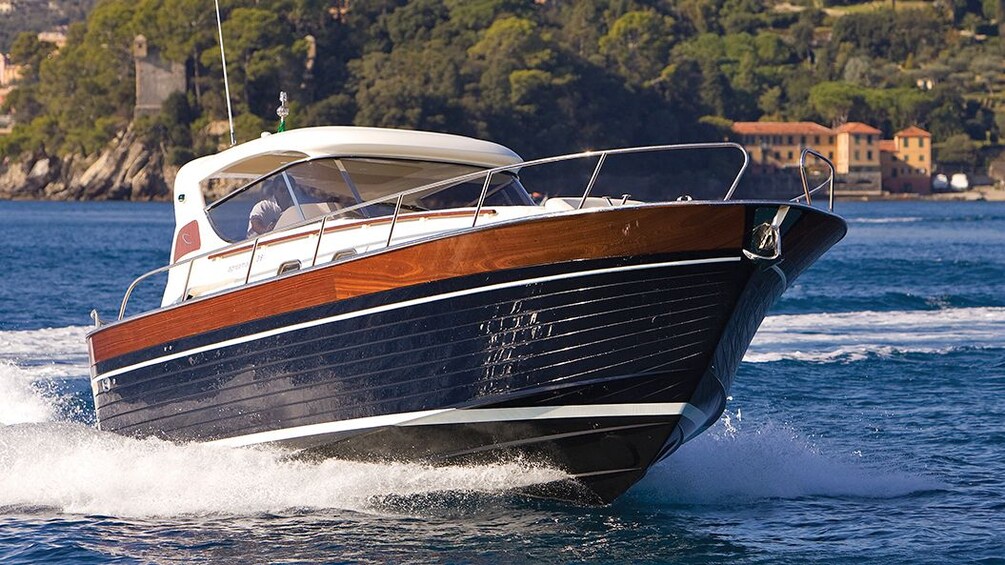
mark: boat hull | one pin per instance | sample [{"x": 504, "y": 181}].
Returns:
[{"x": 599, "y": 364}]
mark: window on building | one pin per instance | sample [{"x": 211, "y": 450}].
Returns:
[
  {"x": 921, "y": 142},
  {"x": 894, "y": 175},
  {"x": 857, "y": 156},
  {"x": 906, "y": 142},
  {"x": 830, "y": 139},
  {"x": 791, "y": 140},
  {"x": 778, "y": 155},
  {"x": 790, "y": 155},
  {"x": 921, "y": 158},
  {"x": 907, "y": 158},
  {"x": 868, "y": 155},
  {"x": 868, "y": 139},
  {"x": 830, "y": 155},
  {"x": 858, "y": 138},
  {"x": 816, "y": 140},
  {"x": 802, "y": 140}
]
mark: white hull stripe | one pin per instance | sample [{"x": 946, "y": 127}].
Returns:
[
  {"x": 472, "y": 416},
  {"x": 405, "y": 304}
]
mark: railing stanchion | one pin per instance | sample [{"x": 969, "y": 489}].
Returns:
[
  {"x": 317, "y": 248},
  {"x": 251, "y": 261},
  {"x": 743, "y": 167},
  {"x": 830, "y": 200},
  {"x": 806, "y": 184},
  {"x": 593, "y": 179},
  {"x": 188, "y": 277},
  {"x": 802, "y": 177},
  {"x": 394, "y": 220},
  {"x": 481, "y": 199}
]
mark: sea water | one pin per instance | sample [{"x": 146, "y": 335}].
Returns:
[{"x": 867, "y": 424}]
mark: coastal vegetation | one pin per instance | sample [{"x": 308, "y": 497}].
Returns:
[{"x": 540, "y": 76}]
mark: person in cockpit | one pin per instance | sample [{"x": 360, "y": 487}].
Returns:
[{"x": 265, "y": 214}]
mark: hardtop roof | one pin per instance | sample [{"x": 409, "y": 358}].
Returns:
[{"x": 263, "y": 155}]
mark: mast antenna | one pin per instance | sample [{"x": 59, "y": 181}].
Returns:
[{"x": 226, "y": 84}]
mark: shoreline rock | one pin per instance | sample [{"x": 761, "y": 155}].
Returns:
[{"x": 126, "y": 169}]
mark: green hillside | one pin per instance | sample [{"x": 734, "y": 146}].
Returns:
[
  {"x": 542, "y": 76},
  {"x": 39, "y": 15}
]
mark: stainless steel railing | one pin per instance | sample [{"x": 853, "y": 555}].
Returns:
[
  {"x": 487, "y": 174},
  {"x": 807, "y": 192}
]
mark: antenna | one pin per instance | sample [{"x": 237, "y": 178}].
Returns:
[{"x": 226, "y": 85}]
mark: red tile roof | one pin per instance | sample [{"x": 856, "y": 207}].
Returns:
[
  {"x": 857, "y": 127},
  {"x": 913, "y": 131},
  {"x": 780, "y": 128},
  {"x": 888, "y": 145}
]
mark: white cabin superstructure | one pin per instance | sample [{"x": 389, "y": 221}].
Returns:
[{"x": 248, "y": 164}]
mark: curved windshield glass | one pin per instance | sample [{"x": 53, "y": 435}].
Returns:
[{"x": 324, "y": 186}]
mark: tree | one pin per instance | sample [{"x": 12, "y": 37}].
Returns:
[
  {"x": 957, "y": 149},
  {"x": 835, "y": 101},
  {"x": 638, "y": 44}
]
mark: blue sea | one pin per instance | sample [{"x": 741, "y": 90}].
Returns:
[{"x": 867, "y": 424}]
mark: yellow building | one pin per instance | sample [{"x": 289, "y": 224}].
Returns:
[
  {"x": 774, "y": 145},
  {"x": 907, "y": 161},
  {"x": 864, "y": 162},
  {"x": 857, "y": 148}
]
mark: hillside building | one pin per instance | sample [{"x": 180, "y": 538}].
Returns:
[
  {"x": 907, "y": 161},
  {"x": 864, "y": 163}
]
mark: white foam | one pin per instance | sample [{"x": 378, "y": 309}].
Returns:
[
  {"x": 744, "y": 463},
  {"x": 76, "y": 469},
  {"x": 57, "y": 342},
  {"x": 853, "y": 335},
  {"x": 47, "y": 353},
  {"x": 21, "y": 399}
]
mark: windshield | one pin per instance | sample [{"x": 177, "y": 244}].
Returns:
[{"x": 314, "y": 188}]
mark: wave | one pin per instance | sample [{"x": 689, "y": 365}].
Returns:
[
  {"x": 33, "y": 364},
  {"x": 852, "y": 336},
  {"x": 890, "y": 220},
  {"x": 738, "y": 463},
  {"x": 23, "y": 398},
  {"x": 68, "y": 341},
  {"x": 80, "y": 470},
  {"x": 47, "y": 353}
]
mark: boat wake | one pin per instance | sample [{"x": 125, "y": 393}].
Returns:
[
  {"x": 22, "y": 398},
  {"x": 51, "y": 461},
  {"x": 35, "y": 369},
  {"x": 74, "y": 469},
  {"x": 736, "y": 462},
  {"x": 853, "y": 336}
]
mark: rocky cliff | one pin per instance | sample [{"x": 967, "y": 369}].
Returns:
[{"x": 125, "y": 170}]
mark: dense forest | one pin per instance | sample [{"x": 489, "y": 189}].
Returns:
[
  {"x": 39, "y": 15},
  {"x": 543, "y": 77}
]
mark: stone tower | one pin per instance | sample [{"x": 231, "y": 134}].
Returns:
[{"x": 156, "y": 79}]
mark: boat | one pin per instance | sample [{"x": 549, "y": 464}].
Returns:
[{"x": 393, "y": 295}]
